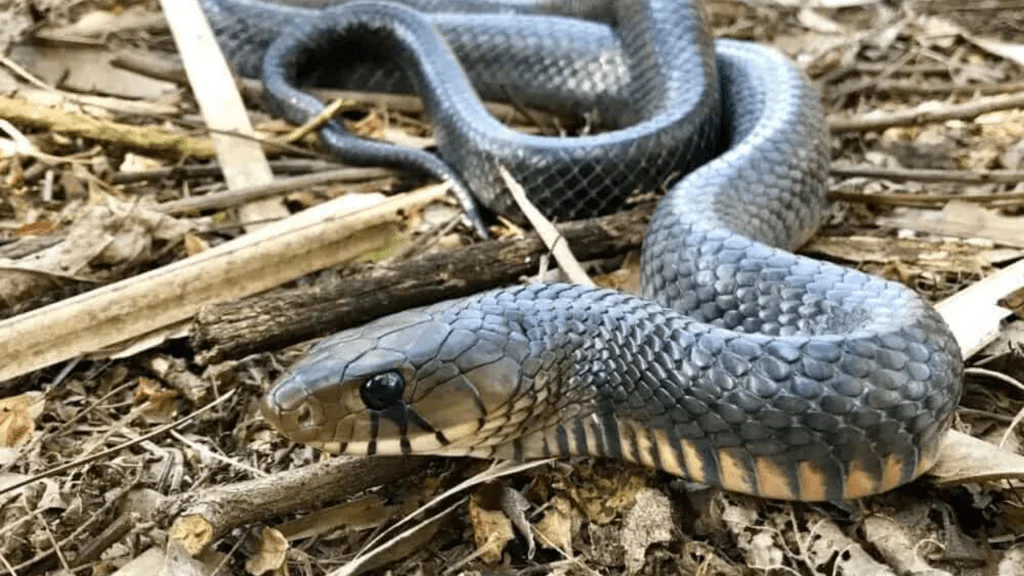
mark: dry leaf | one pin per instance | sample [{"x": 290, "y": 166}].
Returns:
[
  {"x": 492, "y": 530},
  {"x": 134, "y": 162},
  {"x": 18, "y": 416},
  {"x": 272, "y": 554},
  {"x": 38, "y": 228},
  {"x": 157, "y": 404},
  {"x": 963, "y": 220},
  {"x": 195, "y": 245},
  {"x": 896, "y": 546},
  {"x": 758, "y": 544},
  {"x": 1013, "y": 51},
  {"x": 826, "y": 538},
  {"x": 555, "y": 528},
  {"x": 649, "y": 522},
  {"x": 603, "y": 499},
  {"x": 965, "y": 459}
]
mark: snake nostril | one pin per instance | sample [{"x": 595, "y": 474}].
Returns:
[{"x": 305, "y": 417}]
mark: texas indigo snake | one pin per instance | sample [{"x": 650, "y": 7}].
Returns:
[{"x": 742, "y": 365}]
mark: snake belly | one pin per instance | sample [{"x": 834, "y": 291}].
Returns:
[{"x": 739, "y": 365}]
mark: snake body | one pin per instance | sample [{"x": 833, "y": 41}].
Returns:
[{"x": 740, "y": 364}]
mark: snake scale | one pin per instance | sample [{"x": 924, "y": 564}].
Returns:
[{"x": 739, "y": 365}]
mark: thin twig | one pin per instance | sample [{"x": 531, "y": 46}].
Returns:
[
  {"x": 314, "y": 123},
  {"x": 912, "y": 117},
  {"x": 929, "y": 175},
  {"x": 228, "y": 198},
  {"x": 279, "y": 167},
  {"x": 928, "y": 200},
  {"x": 548, "y": 233}
]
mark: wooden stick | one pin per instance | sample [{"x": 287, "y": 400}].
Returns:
[
  {"x": 317, "y": 238},
  {"x": 284, "y": 317},
  {"x": 241, "y": 159},
  {"x": 974, "y": 314},
  {"x": 147, "y": 139},
  {"x": 205, "y": 516},
  {"x": 279, "y": 167}
]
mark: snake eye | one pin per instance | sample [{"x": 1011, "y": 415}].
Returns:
[{"x": 382, "y": 391}]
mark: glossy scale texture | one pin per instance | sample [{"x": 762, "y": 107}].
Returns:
[{"x": 740, "y": 365}]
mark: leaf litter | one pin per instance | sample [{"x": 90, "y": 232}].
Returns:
[{"x": 72, "y": 219}]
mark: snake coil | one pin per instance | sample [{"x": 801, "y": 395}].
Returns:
[{"x": 740, "y": 365}]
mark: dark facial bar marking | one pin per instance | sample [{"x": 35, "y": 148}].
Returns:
[
  {"x": 563, "y": 441},
  {"x": 371, "y": 446},
  {"x": 580, "y": 437}
]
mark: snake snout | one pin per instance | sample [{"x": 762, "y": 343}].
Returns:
[{"x": 290, "y": 408}]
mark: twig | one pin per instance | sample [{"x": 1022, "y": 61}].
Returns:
[
  {"x": 926, "y": 88},
  {"x": 286, "y": 166},
  {"x": 930, "y": 175},
  {"x": 148, "y": 139},
  {"x": 966, "y": 111},
  {"x": 928, "y": 200},
  {"x": 206, "y": 515},
  {"x": 210, "y": 78},
  {"x": 547, "y": 231},
  {"x": 315, "y": 122},
  {"x": 281, "y": 186},
  {"x": 326, "y": 235},
  {"x": 93, "y": 457},
  {"x": 161, "y": 69},
  {"x": 270, "y": 321}
]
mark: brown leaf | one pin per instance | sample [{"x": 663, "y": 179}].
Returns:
[
  {"x": 492, "y": 530},
  {"x": 18, "y": 416},
  {"x": 157, "y": 404},
  {"x": 556, "y": 528},
  {"x": 195, "y": 245},
  {"x": 272, "y": 553},
  {"x": 359, "y": 514},
  {"x": 602, "y": 499}
]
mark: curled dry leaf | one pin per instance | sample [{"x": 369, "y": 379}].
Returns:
[
  {"x": 156, "y": 404},
  {"x": 272, "y": 554},
  {"x": 18, "y": 415},
  {"x": 649, "y": 522},
  {"x": 195, "y": 244},
  {"x": 556, "y": 527},
  {"x": 492, "y": 530}
]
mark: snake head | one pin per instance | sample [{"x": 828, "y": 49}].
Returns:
[{"x": 417, "y": 382}]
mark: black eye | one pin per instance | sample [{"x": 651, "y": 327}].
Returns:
[{"x": 382, "y": 391}]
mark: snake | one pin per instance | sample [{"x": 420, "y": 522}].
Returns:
[{"x": 738, "y": 363}]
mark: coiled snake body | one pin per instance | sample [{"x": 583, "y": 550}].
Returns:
[{"x": 741, "y": 365}]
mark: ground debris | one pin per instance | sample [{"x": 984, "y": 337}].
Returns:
[{"x": 107, "y": 172}]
